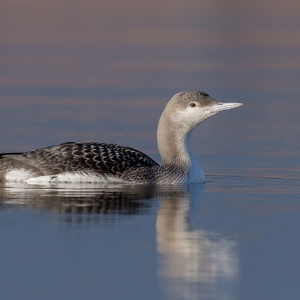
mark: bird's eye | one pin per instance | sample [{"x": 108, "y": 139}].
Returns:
[{"x": 192, "y": 104}]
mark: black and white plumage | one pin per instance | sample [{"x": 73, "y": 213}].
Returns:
[
  {"x": 100, "y": 162},
  {"x": 94, "y": 161}
]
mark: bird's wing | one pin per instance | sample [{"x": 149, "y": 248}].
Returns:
[{"x": 76, "y": 156}]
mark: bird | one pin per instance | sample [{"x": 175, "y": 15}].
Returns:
[{"x": 93, "y": 162}]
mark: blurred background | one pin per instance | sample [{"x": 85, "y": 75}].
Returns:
[{"x": 104, "y": 70}]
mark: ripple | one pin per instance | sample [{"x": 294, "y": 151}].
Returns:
[{"x": 254, "y": 180}]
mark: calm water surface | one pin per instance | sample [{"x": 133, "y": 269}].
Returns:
[
  {"x": 236, "y": 237},
  {"x": 103, "y": 71}
]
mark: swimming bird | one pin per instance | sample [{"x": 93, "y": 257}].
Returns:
[{"x": 100, "y": 162}]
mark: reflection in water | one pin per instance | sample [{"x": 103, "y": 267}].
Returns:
[
  {"x": 77, "y": 202},
  {"x": 195, "y": 263}
]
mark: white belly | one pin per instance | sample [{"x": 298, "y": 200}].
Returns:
[
  {"x": 73, "y": 177},
  {"x": 19, "y": 175},
  {"x": 22, "y": 175}
]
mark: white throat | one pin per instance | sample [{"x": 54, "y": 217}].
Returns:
[{"x": 174, "y": 144}]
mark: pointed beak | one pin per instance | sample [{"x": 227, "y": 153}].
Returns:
[{"x": 223, "y": 106}]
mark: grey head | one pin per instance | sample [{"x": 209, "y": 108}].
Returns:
[
  {"x": 183, "y": 113},
  {"x": 188, "y": 109}
]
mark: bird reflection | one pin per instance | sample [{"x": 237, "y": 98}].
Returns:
[
  {"x": 195, "y": 263},
  {"x": 78, "y": 200}
]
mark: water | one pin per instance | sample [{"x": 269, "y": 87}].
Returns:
[
  {"x": 103, "y": 71},
  {"x": 236, "y": 237}
]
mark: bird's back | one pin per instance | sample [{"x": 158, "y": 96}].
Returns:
[{"x": 99, "y": 159}]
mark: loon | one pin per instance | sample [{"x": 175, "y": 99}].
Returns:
[{"x": 102, "y": 163}]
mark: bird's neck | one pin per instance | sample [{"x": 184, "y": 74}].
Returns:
[
  {"x": 174, "y": 145},
  {"x": 174, "y": 142}
]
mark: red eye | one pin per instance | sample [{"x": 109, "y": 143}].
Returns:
[{"x": 192, "y": 104}]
